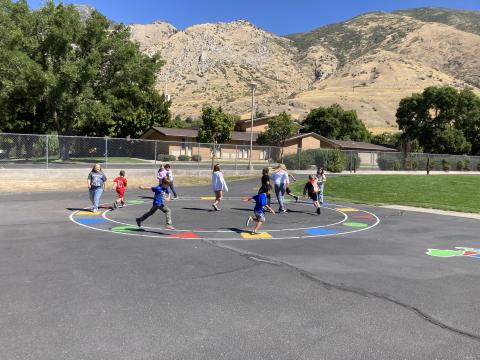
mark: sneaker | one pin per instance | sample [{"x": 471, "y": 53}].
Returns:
[
  {"x": 94, "y": 210},
  {"x": 296, "y": 198},
  {"x": 283, "y": 211},
  {"x": 249, "y": 220},
  {"x": 254, "y": 233},
  {"x": 115, "y": 205},
  {"x": 139, "y": 223},
  {"x": 169, "y": 227},
  {"x": 319, "y": 211},
  {"x": 215, "y": 207}
]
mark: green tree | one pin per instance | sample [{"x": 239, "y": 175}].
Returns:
[
  {"x": 335, "y": 123},
  {"x": 441, "y": 120},
  {"x": 278, "y": 130},
  {"x": 61, "y": 73}
]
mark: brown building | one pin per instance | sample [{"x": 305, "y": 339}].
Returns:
[{"x": 173, "y": 141}]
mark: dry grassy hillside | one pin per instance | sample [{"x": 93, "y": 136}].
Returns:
[{"x": 367, "y": 63}]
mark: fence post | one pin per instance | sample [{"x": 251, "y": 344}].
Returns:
[
  {"x": 155, "y": 156},
  {"x": 428, "y": 165},
  {"x": 46, "y": 151},
  {"x": 236, "y": 158},
  {"x": 106, "y": 150}
]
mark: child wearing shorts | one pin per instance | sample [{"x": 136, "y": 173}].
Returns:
[
  {"x": 219, "y": 185},
  {"x": 158, "y": 203},
  {"x": 311, "y": 188},
  {"x": 259, "y": 212},
  {"x": 120, "y": 185}
]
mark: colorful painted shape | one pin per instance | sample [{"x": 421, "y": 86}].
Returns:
[
  {"x": 347, "y": 209},
  {"x": 207, "y": 198},
  {"x": 262, "y": 235},
  {"x": 314, "y": 231},
  {"x": 91, "y": 213},
  {"x": 127, "y": 229},
  {"x": 358, "y": 225},
  {"x": 363, "y": 217},
  {"x": 89, "y": 221},
  {"x": 185, "y": 235},
  {"x": 135, "y": 202},
  {"x": 459, "y": 251}
]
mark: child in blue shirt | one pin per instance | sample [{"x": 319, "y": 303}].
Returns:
[
  {"x": 158, "y": 203},
  {"x": 261, "y": 202}
]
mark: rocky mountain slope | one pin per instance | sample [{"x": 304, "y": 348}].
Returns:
[{"x": 367, "y": 63}]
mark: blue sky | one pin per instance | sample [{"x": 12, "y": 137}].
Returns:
[{"x": 278, "y": 16}]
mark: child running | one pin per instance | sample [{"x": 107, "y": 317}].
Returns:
[
  {"x": 287, "y": 187},
  {"x": 161, "y": 173},
  {"x": 321, "y": 180},
  {"x": 311, "y": 187},
  {"x": 260, "y": 203},
  {"x": 120, "y": 185},
  {"x": 219, "y": 185},
  {"x": 266, "y": 184},
  {"x": 169, "y": 175},
  {"x": 158, "y": 203}
]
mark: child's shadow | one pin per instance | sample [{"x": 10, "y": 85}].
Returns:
[{"x": 197, "y": 209}]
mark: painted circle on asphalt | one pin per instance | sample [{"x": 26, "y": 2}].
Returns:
[{"x": 229, "y": 224}]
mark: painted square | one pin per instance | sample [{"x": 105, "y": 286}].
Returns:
[
  {"x": 321, "y": 231},
  {"x": 88, "y": 221},
  {"x": 208, "y": 198},
  {"x": 185, "y": 235},
  {"x": 262, "y": 235},
  {"x": 347, "y": 209}
]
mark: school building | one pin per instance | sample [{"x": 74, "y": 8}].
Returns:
[{"x": 174, "y": 141}]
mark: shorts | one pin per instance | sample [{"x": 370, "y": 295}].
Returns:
[
  {"x": 259, "y": 216},
  {"x": 120, "y": 192},
  {"x": 313, "y": 196}
]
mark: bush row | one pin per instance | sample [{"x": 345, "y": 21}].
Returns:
[
  {"x": 331, "y": 160},
  {"x": 169, "y": 158},
  {"x": 392, "y": 162}
]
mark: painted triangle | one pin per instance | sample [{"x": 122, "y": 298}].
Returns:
[{"x": 185, "y": 235}]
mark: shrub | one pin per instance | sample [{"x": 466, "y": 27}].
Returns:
[
  {"x": 446, "y": 165},
  {"x": 389, "y": 162},
  {"x": 183, "y": 158},
  {"x": 463, "y": 165},
  {"x": 166, "y": 158},
  {"x": 336, "y": 161},
  {"x": 478, "y": 166},
  {"x": 411, "y": 164},
  {"x": 197, "y": 158}
]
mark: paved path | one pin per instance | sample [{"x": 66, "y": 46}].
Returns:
[{"x": 71, "y": 292}]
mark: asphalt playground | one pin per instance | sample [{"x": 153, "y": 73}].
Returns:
[{"x": 356, "y": 282}]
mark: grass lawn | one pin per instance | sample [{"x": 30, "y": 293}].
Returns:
[{"x": 446, "y": 192}]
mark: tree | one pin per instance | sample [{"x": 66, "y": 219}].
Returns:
[
  {"x": 216, "y": 127},
  {"x": 335, "y": 123},
  {"x": 441, "y": 120},
  {"x": 278, "y": 130},
  {"x": 62, "y": 73}
]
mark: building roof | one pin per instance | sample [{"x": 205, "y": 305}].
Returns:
[
  {"x": 193, "y": 133},
  {"x": 358, "y": 145}
]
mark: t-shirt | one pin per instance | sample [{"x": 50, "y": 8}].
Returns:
[
  {"x": 121, "y": 182},
  {"x": 266, "y": 181},
  {"x": 260, "y": 202},
  {"x": 161, "y": 174},
  {"x": 96, "y": 178},
  {"x": 280, "y": 178},
  {"x": 159, "y": 195}
]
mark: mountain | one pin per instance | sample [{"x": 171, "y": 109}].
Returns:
[{"x": 367, "y": 63}]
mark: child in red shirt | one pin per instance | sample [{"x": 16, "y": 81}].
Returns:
[{"x": 120, "y": 185}]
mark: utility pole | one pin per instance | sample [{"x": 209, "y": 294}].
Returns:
[{"x": 253, "y": 87}]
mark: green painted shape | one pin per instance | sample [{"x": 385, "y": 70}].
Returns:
[
  {"x": 444, "y": 253},
  {"x": 356, "y": 224},
  {"x": 135, "y": 202},
  {"x": 126, "y": 228}
]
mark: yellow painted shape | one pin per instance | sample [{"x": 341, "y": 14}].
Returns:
[
  {"x": 89, "y": 213},
  {"x": 207, "y": 198},
  {"x": 262, "y": 235},
  {"x": 347, "y": 209}
]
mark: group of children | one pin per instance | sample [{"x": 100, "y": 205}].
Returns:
[{"x": 280, "y": 179}]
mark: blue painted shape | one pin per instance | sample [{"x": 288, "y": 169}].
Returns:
[
  {"x": 475, "y": 256},
  {"x": 89, "y": 221},
  {"x": 321, "y": 231}
]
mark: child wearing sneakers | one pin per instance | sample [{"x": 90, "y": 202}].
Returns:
[
  {"x": 311, "y": 188},
  {"x": 120, "y": 185},
  {"x": 260, "y": 203},
  {"x": 158, "y": 203}
]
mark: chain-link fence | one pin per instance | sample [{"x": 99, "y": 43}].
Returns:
[{"x": 53, "y": 151}]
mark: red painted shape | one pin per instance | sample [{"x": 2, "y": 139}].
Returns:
[
  {"x": 468, "y": 253},
  {"x": 185, "y": 235},
  {"x": 365, "y": 217}
]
